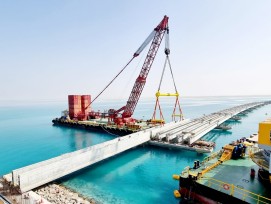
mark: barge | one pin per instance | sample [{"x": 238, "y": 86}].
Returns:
[
  {"x": 102, "y": 126},
  {"x": 239, "y": 173}
]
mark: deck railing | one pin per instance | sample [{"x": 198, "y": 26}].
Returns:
[{"x": 237, "y": 191}]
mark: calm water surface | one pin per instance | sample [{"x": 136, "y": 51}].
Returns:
[{"x": 140, "y": 175}]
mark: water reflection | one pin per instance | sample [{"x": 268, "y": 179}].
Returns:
[
  {"x": 78, "y": 139},
  {"x": 214, "y": 135},
  {"x": 233, "y": 123},
  {"x": 82, "y": 140}
]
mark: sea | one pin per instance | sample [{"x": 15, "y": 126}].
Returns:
[{"x": 140, "y": 175}]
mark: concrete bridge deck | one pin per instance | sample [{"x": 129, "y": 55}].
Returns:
[
  {"x": 35, "y": 175},
  {"x": 190, "y": 131}
]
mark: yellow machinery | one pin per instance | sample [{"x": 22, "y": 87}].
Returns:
[
  {"x": 265, "y": 135},
  {"x": 226, "y": 155},
  {"x": 264, "y": 140},
  {"x": 177, "y": 107}
]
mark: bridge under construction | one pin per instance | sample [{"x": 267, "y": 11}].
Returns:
[
  {"x": 185, "y": 133},
  {"x": 175, "y": 134}
]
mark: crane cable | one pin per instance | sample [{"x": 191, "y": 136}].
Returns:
[
  {"x": 112, "y": 80},
  {"x": 172, "y": 74},
  {"x": 162, "y": 74},
  {"x": 139, "y": 50},
  {"x": 130, "y": 78},
  {"x": 167, "y": 60},
  {"x": 167, "y": 52}
]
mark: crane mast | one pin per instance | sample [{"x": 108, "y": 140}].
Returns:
[
  {"x": 158, "y": 32},
  {"x": 156, "y": 37}
]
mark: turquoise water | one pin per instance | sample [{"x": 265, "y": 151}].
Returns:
[
  {"x": 27, "y": 135},
  {"x": 140, "y": 175}
]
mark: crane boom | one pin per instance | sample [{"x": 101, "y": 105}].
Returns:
[{"x": 159, "y": 32}]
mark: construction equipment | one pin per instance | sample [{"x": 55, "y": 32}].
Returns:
[
  {"x": 177, "y": 106},
  {"x": 156, "y": 37}
]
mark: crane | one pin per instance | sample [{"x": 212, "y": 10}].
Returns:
[
  {"x": 141, "y": 79},
  {"x": 156, "y": 37}
]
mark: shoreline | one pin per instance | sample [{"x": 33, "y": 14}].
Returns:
[{"x": 60, "y": 194}]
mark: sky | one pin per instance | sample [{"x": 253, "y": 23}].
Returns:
[{"x": 50, "y": 49}]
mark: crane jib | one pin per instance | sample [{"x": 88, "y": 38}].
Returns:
[
  {"x": 159, "y": 32},
  {"x": 145, "y": 43},
  {"x": 156, "y": 36}
]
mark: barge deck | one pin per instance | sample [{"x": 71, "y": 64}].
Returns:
[
  {"x": 94, "y": 126},
  {"x": 219, "y": 178}
]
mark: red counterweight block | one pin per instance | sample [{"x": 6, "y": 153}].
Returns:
[
  {"x": 85, "y": 105},
  {"x": 75, "y": 107}
]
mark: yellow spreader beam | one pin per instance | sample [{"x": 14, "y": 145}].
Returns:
[{"x": 158, "y": 94}]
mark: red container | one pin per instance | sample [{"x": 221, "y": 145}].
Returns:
[
  {"x": 85, "y": 97},
  {"x": 79, "y": 106},
  {"x": 74, "y": 114},
  {"x": 74, "y": 96},
  {"x": 74, "y": 110},
  {"x": 85, "y": 101},
  {"x": 75, "y": 103},
  {"x": 86, "y": 108},
  {"x": 74, "y": 99},
  {"x": 74, "y": 107}
]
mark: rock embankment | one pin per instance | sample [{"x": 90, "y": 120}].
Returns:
[{"x": 58, "y": 194}]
